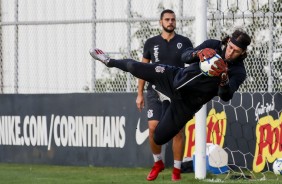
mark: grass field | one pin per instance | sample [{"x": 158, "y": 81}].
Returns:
[{"x": 43, "y": 174}]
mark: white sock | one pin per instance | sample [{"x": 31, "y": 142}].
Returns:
[
  {"x": 177, "y": 164},
  {"x": 157, "y": 157}
]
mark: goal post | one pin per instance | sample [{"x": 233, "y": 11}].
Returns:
[{"x": 200, "y": 126}]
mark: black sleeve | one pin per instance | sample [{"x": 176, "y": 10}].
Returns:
[
  {"x": 146, "y": 50},
  {"x": 226, "y": 92},
  {"x": 189, "y": 54}
]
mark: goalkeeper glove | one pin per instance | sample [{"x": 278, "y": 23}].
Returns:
[
  {"x": 219, "y": 69},
  {"x": 205, "y": 53}
]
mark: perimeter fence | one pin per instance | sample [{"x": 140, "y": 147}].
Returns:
[{"x": 44, "y": 44}]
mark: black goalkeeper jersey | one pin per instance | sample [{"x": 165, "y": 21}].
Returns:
[
  {"x": 208, "y": 87},
  {"x": 160, "y": 51}
]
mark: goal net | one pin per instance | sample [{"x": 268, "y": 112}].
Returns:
[{"x": 248, "y": 127}]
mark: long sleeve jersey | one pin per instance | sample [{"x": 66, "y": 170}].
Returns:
[{"x": 205, "y": 87}]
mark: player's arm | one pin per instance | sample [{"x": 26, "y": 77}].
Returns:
[
  {"x": 207, "y": 49},
  {"x": 188, "y": 56},
  {"x": 140, "y": 96}
]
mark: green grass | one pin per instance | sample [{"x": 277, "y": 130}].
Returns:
[{"x": 46, "y": 174}]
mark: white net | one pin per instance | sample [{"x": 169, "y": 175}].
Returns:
[{"x": 248, "y": 128}]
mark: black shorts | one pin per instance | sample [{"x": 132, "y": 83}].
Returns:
[{"x": 154, "y": 105}]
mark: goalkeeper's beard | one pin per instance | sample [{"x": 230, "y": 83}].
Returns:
[{"x": 168, "y": 30}]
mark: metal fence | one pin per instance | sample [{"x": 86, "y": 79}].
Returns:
[{"x": 44, "y": 44}]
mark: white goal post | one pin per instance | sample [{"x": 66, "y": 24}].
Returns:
[{"x": 200, "y": 125}]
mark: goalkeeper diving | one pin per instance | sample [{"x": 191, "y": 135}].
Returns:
[{"x": 187, "y": 88}]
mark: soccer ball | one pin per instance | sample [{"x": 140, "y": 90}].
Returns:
[
  {"x": 205, "y": 66},
  {"x": 277, "y": 166}
]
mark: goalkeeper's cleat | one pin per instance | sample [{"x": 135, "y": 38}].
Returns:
[
  {"x": 156, "y": 169},
  {"x": 99, "y": 55},
  {"x": 176, "y": 174}
]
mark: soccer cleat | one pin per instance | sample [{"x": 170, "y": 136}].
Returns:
[
  {"x": 176, "y": 174},
  {"x": 156, "y": 169},
  {"x": 99, "y": 55}
]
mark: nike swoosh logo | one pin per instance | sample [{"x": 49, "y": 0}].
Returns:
[{"x": 141, "y": 136}]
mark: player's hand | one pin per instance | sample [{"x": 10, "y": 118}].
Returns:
[
  {"x": 205, "y": 53},
  {"x": 140, "y": 102},
  {"x": 218, "y": 68}
]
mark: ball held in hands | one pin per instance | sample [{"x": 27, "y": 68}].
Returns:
[{"x": 218, "y": 68}]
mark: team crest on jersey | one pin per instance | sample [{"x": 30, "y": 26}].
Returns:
[
  {"x": 179, "y": 45},
  {"x": 150, "y": 113},
  {"x": 160, "y": 69}
]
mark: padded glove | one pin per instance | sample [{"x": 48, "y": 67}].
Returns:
[
  {"x": 218, "y": 68},
  {"x": 205, "y": 53}
]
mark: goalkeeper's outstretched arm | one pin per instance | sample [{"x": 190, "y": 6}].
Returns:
[{"x": 191, "y": 55}]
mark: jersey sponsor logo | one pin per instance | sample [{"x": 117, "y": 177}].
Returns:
[
  {"x": 141, "y": 136},
  {"x": 179, "y": 45},
  {"x": 156, "y": 53},
  {"x": 150, "y": 113},
  {"x": 160, "y": 69}
]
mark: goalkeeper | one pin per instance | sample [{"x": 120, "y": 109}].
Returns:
[{"x": 187, "y": 88}]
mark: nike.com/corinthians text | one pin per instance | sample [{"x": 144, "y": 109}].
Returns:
[{"x": 74, "y": 131}]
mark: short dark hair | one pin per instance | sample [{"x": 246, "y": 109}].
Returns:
[{"x": 165, "y": 11}]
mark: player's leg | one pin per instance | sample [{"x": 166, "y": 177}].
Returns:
[
  {"x": 177, "y": 149},
  {"x": 160, "y": 75},
  {"x": 128, "y": 65},
  {"x": 153, "y": 114},
  {"x": 135, "y": 68},
  {"x": 176, "y": 115}
]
